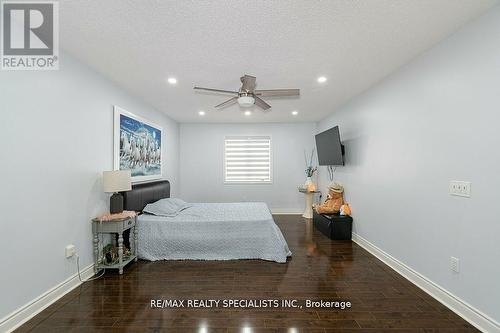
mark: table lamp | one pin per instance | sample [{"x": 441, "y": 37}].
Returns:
[{"x": 115, "y": 182}]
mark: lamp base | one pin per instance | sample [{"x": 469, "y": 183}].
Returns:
[{"x": 116, "y": 203}]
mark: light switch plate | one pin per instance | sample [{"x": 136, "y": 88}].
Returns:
[{"x": 460, "y": 188}]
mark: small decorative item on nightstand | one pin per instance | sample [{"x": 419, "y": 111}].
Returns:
[
  {"x": 310, "y": 170},
  {"x": 118, "y": 224}
]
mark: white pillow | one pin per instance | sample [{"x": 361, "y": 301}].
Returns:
[{"x": 166, "y": 207}]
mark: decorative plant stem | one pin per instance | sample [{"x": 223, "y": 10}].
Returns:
[{"x": 310, "y": 170}]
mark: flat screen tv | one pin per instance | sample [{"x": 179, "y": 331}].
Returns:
[{"x": 329, "y": 147}]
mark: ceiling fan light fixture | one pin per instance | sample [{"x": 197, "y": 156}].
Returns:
[
  {"x": 247, "y": 96},
  {"x": 246, "y": 101}
]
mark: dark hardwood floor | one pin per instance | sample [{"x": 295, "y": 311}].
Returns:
[{"x": 382, "y": 301}]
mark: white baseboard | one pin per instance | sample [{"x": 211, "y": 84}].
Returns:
[
  {"x": 287, "y": 211},
  {"x": 18, "y": 317},
  {"x": 475, "y": 317}
]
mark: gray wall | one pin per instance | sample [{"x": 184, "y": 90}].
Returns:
[
  {"x": 202, "y": 157},
  {"x": 434, "y": 121},
  {"x": 57, "y": 138}
]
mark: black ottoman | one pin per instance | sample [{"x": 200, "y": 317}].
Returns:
[{"x": 336, "y": 227}]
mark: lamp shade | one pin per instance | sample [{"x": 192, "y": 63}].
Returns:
[{"x": 116, "y": 181}]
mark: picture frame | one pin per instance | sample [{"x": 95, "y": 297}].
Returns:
[{"x": 137, "y": 146}]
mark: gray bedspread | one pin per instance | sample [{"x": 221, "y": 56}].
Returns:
[{"x": 213, "y": 231}]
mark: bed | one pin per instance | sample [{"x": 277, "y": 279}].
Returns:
[{"x": 205, "y": 231}]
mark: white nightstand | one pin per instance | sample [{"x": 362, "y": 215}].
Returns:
[{"x": 117, "y": 226}]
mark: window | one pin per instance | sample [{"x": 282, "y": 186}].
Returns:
[{"x": 247, "y": 159}]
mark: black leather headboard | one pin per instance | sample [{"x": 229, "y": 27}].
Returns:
[{"x": 145, "y": 193}]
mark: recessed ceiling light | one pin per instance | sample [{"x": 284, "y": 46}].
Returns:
[
  {"x": 248, "y": 113},
  {"x": 295, "y": 113},
  {"x": 322, "y": 79},
  {"x": 172, "y": 80},
  {"x": 201, "y": 113}
]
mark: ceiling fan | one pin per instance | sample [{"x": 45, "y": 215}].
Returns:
[{"x": 248, "y": 95}]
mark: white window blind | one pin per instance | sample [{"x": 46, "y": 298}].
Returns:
[{"x": 247, "y": 159}]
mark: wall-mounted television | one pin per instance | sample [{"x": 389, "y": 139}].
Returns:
[{"x": 330, "y": 149}]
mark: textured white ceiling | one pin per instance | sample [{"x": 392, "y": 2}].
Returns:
[{"x": 286, "y": 44}]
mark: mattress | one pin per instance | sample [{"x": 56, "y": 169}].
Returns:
[{"x": 213, "y": 231}]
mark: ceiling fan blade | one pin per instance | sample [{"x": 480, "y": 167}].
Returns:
[
  {"x": 217, "y": 90},
  {"x": 277, "y": 92},
  {"x": 261, "y": 104},
  {"x": 248, "y": 83},
  {"x": 227, "y": 103}
]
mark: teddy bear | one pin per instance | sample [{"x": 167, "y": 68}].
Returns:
[
  {"x": 334, "y": 200},
  {"x": 345, "y": 210}
]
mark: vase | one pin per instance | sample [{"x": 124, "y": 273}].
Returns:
[
  {"x": 309, "y": 185},
  {"x": 308, "y": 181}
]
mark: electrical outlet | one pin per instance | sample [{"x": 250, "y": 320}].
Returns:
[
  {"x": 460, "y": 188},
  {"x": 455, "y": 264},
  {"x": 70, "y": 251}
]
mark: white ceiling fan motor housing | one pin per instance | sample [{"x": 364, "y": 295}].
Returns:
[{"x": 246, "y": 101}]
